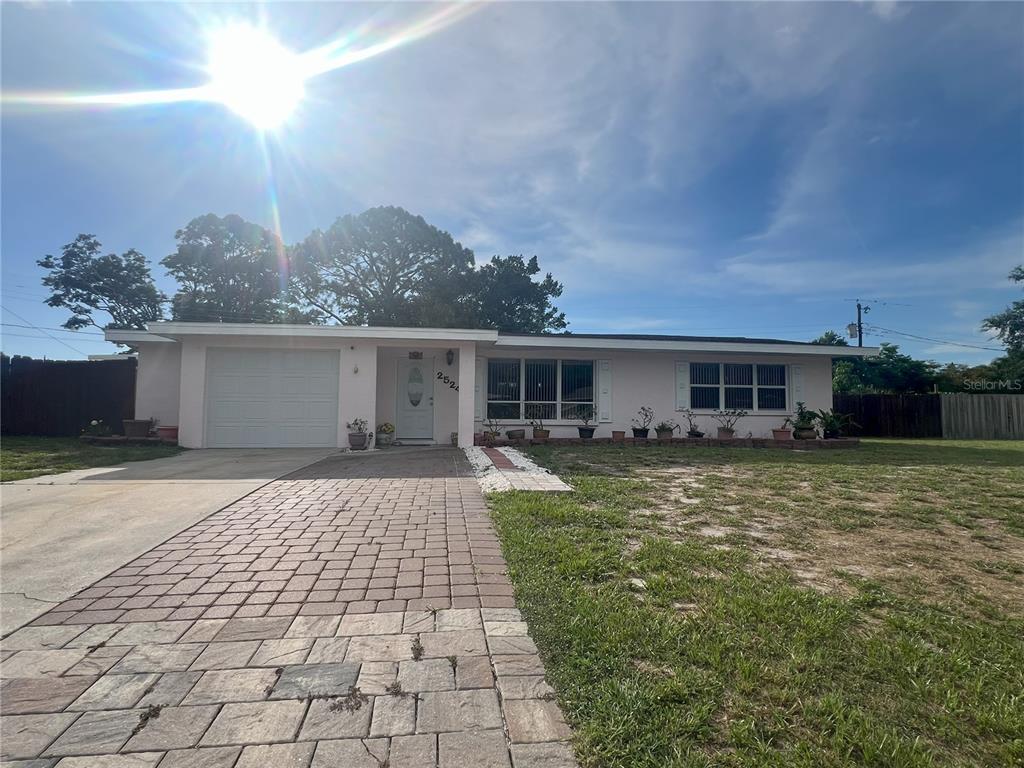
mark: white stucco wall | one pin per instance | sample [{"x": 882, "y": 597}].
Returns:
[
  {"x": 157, "y": 384},
  {"x": 172, "y": 380},
  {"x": 649, "y": 378}
]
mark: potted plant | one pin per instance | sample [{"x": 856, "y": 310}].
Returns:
[
  {"x": 783, "y": 432},
  {"x": 385, "y": 434},
  {"x": 358, "y": 438},
  {"x": 167, "y": 433},
  {"x": 96, "y": 428},
  {"x": 618, "y": 435},
  {"x": 834, "y": 424},
  {"x": 727, "y": 422},
  {"x": 491, "y": 431},
  {"x": 585, "y": 414},
  {"x": 536, "y": 416},
  {"x": 137, "y": 427},
  {"x": 803, "y": 423},
  {"x": 692, "y": 428},
  {"x": 665, "y": 429},
  {"x": 642, "y": 422},
  {"x": 515, "y": 434}
]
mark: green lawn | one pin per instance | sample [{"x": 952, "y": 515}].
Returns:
[
  {"x": 23, "y": 457},
  {"x": 737, "y": 607}
]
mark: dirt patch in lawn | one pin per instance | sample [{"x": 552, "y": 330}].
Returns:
[{"x": 940, "y": 562}]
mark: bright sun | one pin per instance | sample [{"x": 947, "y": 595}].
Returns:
[{"x": 254, "y": 75}]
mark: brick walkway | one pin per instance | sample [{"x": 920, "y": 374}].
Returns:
[{"x": 356, "y": 613}]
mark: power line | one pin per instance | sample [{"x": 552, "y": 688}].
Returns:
[
  {"x": 36, "y": 327},
  {"x": 52, "y": 328},
  {"x": 30, "y": 336},
  {"x": 934, "y": 341}
]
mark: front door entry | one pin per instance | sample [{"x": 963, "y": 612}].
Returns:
[{"x": 415, "y": 399}]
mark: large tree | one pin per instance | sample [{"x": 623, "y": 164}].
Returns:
[
  {"x": 832, "y": 339},
  {"x": 85, "y": 281},
  {"x": 889, "y": 371},
  {"x": 1009, "y": 324},
  {"x": 506, "y": 297},
  {"x": 385, "y": 267},
  {"x": 231, "y": 270}
]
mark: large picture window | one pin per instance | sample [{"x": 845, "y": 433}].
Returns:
[
  {"x": 503, "y": 393},
  {"x": 525, "y": 390},
  {"x": 738, "y": 386}
]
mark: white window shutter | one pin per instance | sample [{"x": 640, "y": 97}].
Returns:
[
  {"x": 796, "y": 377},
  {"x": 604, "y": 389},
  {"x": 480, "y": 391},
  {"x": 682, "y": 386}
]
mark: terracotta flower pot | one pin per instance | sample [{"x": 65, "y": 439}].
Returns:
[
  {"x": 726, "y": 434},
  {"x": 618, "y": 435},
  {"x": 167, "y": 433},
  {"x": 782, "y": 434},
  {"x": 664, "y": 434},
  {"x": 541, "y": 434}
]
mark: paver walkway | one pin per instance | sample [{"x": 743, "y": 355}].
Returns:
[{"x": 356, "y": 613}]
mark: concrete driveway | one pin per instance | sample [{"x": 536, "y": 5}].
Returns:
[{"x": 61, "y": 533}]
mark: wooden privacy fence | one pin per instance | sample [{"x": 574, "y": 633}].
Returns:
[
  {"x": 892, "y": 415},
  {"x": 985, "y": 417},
  {"x": 951, "y": 416},
  {"x": 60, "y": 397}
]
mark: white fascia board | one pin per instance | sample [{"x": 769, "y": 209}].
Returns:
[
  {"x": 121, "y": 336},
  {"x": 176, "y": 329},
  {"x": 669, "y": 345}
]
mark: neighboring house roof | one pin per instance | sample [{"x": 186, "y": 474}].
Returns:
[{"x": 173, "y": 330}]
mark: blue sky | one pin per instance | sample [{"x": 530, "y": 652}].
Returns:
[{"x": 718, "y": 169}]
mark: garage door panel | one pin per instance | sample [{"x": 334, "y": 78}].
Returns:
[{"x": 272, "y": 398}]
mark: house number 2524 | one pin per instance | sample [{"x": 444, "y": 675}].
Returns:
[{"x": 447, "y": 380}]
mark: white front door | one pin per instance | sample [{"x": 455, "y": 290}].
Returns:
[{"x": 415, "y": 399}]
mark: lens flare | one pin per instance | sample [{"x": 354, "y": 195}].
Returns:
[
  {"x": 257, "y": 77},
  {"x": 253, "y": 75}
]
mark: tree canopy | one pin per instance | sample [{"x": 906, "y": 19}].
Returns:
[
  {"x": 85, "y": 281},
  {"x": 1009, "y": 324},
  {"x": 507, "y": 297},
  {"x": 831, "y": 338},
  {"x": 384, "y": 267},
  {"x": 231, "y": 270}
]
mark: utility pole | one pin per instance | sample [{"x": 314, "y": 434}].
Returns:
[{"x": 857, "y": 329}]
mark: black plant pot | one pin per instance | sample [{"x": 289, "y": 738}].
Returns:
[
  {"x": 831, "y": 434},
  {"x": 586, "y": 432},
  {"x": 695, "y": 433},
  {"x": 640, "y": 433}
]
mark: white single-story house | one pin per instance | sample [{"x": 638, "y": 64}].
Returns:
[{"x": 227, "y": 385}]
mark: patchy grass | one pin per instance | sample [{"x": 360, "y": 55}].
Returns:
[
  {"x": 24, "y": 457},
  {"x": 740, "y": 607}
]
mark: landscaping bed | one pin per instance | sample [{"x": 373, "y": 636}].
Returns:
[
  {"x": 25, "y": 457},
  {"x": 728, "y": 607},
  {"x": 686, "y": 442}
]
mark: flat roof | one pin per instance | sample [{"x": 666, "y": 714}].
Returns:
[{"x": 169, "y": 331}]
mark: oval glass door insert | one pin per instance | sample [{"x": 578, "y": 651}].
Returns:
[{"x": 414, "y": 387}]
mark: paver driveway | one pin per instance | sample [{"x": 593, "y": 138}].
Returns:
[{"x": 355, "y": 613}]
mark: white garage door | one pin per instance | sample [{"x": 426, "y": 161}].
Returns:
[{"x": 271, "y": 398}]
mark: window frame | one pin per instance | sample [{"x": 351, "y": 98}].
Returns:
[
  {"x": 754, "y": 387},
  {"x": 558, "y": 403}
]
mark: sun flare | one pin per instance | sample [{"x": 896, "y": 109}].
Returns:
[{"x": 253, "y": 75}]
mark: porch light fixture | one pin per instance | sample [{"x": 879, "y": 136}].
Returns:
[{"x": 450, "y": 356}]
